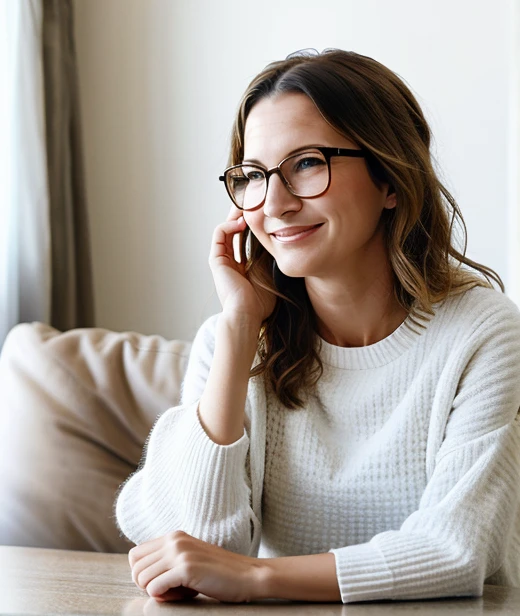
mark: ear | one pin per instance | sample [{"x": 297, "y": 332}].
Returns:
[{"x": 391, "y": 199}]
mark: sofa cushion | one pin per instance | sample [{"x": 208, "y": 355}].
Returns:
[{"x": 75, "y": 411}]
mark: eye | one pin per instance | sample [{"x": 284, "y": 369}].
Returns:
[
  {"x": 254, "y": 175},
  {"x": 308, "y": 162},
  {"x": 237, "y": 181}
]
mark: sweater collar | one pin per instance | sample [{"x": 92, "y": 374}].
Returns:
[{"x": 379, "y": 353}]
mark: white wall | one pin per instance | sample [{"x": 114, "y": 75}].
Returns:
[
  {"x": 160, "y": 81},
  {"x": 513, "y": 238}
]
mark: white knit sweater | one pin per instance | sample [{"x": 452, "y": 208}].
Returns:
[{"x": 405, "y": 464}]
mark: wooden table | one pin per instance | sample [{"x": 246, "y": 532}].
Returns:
[{"x": 38, "y": 581}]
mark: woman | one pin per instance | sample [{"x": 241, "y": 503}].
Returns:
[{"x": 348, "y": 424}]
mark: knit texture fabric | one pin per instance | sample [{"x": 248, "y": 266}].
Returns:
[{"x": 404, "y": 463}]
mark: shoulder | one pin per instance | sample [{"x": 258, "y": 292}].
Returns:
[
  {"x": 477, "y": 309},
  {"x": 477, "y": 325},
  {"x": 486, "y": 299}
]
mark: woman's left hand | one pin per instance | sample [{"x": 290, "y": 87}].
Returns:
[{"x": 178, "y": 567}]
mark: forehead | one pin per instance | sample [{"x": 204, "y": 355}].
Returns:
[{"x": 282, "y": 123}]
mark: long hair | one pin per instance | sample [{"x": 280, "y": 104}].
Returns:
[{"x": 369, "y": 104}]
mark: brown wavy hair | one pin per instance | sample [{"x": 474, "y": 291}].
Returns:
[{"x": 369, "y": 104}]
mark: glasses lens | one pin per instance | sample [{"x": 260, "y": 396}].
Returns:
[
  {"x": 246, "y": 184},
  {"x": 307, "y": 173}
]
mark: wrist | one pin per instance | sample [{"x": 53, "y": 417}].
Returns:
[
  {"x": 261, "y": 579},
  {"x": 242, "y": 321},
  {"x": 269, "y": 578},
  {"x": 222, "y": 404},
  {"x": 241, "y": 334},
  {"x": 297, "y": 578}
]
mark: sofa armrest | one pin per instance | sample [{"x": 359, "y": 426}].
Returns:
[{"x": 75, "y": 411}]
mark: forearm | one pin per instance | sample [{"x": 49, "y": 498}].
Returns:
[
  {"x": 298, "y": 578},
  {"x": 222, "y": 404}
]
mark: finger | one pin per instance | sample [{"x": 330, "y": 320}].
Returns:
[
  {"x": 234, "y": 213},
  {"x": 143, "y": 565},
  {"x": 139, "y": 551},
  {"x": 153, "y": 545},
  {"x": 153, "y": 571},
  {"x": 222, "y": 243},
  {"x": 230, "y": 227},
  {"x": 168, "y": 580},
  {"x": 234, "y": 239}
]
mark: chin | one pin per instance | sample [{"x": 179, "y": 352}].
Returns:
[{"x": 294, "y": 270}]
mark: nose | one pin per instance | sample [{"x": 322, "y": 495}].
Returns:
[{"x": 278, "y": 200}]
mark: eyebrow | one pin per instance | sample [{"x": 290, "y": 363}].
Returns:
[{"x": 304, "y": 148}]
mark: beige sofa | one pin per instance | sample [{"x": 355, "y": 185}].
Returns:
[{"x": 75, "y": 411}]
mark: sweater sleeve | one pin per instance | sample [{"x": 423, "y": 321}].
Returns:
[
  {"x": 186, "y": 481},
  {"x": 459, "y": 534}
]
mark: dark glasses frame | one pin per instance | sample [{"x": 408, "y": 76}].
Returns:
[{"x": 327, "y": 153}]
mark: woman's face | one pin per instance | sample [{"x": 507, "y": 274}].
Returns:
[{"x": 312, "y": 237}]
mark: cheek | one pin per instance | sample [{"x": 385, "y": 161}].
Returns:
[
  {"x": 354, "y": 209},
  {"x": 374, "y": 197},
  {"x": 255, "y": 222},
  {"x": 365, "y": 208},
  {"x": 361, "y": 189}
]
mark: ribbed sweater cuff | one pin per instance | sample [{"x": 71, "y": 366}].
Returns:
[
  {"x": 400, "y": 566},
  {"x": 205, "y": 482},
  {"x": 213, "y": 478},
  {"x": 362, "y": 573},
  {"x": 191, "y": 427}
]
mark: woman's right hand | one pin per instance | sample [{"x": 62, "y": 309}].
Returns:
[{"x": 236, "y": 293}]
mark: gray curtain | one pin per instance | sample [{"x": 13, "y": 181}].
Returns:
[{"x": 72, "y": 302}]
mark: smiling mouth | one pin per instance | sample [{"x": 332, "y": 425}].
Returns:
[{"x": 293, "y": 234}]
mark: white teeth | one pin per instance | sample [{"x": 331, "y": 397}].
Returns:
[
  {"x": 304, "y": 230},
  {"x": 295, "y": 235}
]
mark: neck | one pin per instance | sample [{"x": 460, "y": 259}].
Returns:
[{"x": 356, "y": 309}]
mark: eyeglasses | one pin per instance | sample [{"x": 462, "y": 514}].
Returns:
[{"x": 305, "y": 175}]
